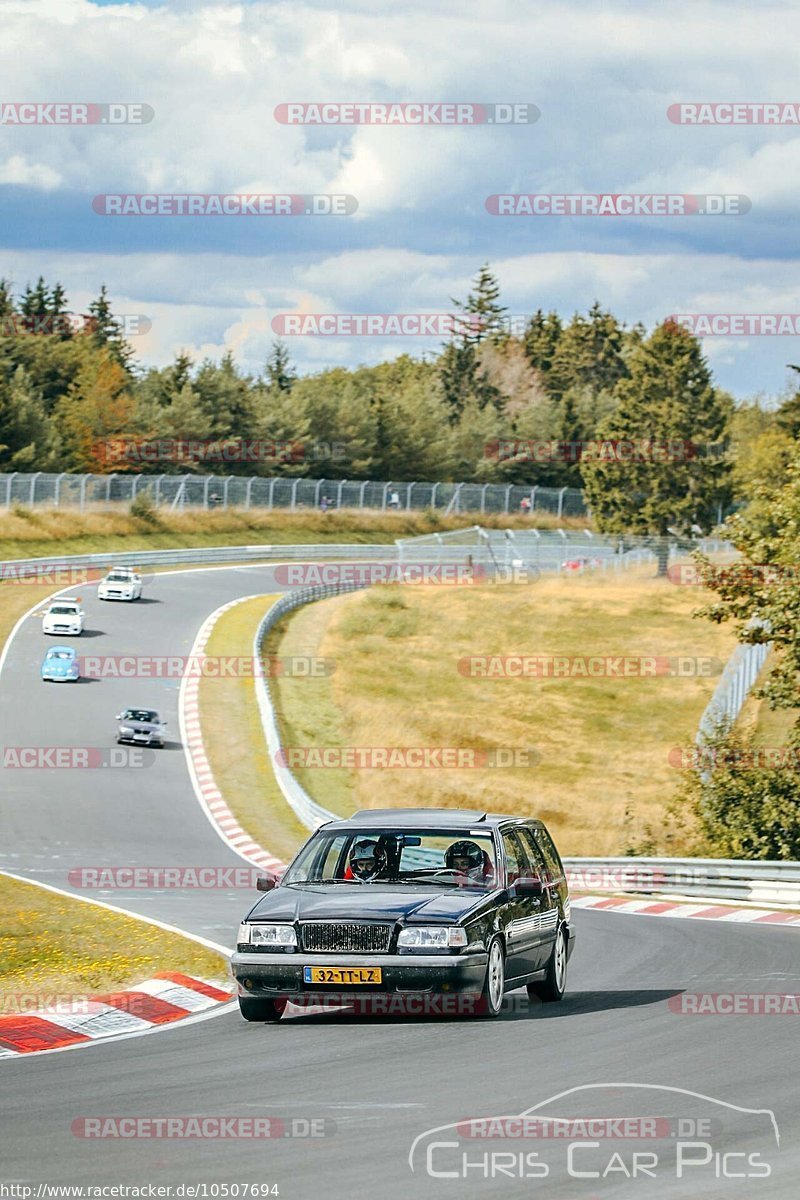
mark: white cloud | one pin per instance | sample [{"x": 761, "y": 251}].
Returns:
[{"x": 602, "y": 74}]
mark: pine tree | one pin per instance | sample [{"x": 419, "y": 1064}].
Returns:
[
  {"x": 280, "y": 374},
  {"x": 541, "y": 340},
  {"x": 7, "y": 309},
  {"x": 35, "y": 307},
  {"x": 590, "y": 353},
  {"x": 483, "y": 313},
  {"x": 668, "y": 401},
  {"x": 106, "y": 330},
  {"x": 28, "y": 441}
]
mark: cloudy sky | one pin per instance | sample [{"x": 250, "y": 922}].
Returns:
[{"x": 602, "y": 74}]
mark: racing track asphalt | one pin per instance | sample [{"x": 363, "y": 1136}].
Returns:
[{"x": 384, "y": 1080}]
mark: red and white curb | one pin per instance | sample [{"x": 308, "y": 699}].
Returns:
[
  {"x": 167, "y": 997},
  {"x": 206, "y": 789},
  {"x": 703, "y": 911}
]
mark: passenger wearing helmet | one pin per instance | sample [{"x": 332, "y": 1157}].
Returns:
[
  {"x": 367, "y": 860},
  {"x": 472, "y": 864}
]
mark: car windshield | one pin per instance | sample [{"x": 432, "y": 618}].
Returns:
[
  {"x": 447, "y": 858},
  {"x": 118, "y": 577},
  {"x": 140, "y": 714},
  {"x": 62, "y": 654},
  {"x": 67, "y": 610}
]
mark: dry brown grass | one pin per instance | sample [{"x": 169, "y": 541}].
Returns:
[
  {"x": 602, "y": 772},
  {"x": 30, "y": 533}
]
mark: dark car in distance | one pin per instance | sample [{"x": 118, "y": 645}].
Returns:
[{"x": 410, "y": 902}]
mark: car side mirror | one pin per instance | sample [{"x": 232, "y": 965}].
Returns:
[
  {"x": 529, "y": 885},
  {"x": 265, "y": 883},
  {"x": 118, "y": 717}
]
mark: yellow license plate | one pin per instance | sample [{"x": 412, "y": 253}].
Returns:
[{"x": 346, "y": 976}]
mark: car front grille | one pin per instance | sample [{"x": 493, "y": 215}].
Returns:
[{"x": 333, "y": 937}]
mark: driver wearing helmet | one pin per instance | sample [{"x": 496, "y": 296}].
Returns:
[
  {"x": 472, "y": 864},
  {"x": 367, "y": 860}
]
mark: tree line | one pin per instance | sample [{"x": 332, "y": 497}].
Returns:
[{"x": 553, "y": 404}]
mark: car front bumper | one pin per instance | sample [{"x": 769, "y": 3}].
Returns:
[{"x": 282, "y": 974}]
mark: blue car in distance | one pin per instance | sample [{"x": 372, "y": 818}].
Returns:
[{"x": 60, "y": 665}]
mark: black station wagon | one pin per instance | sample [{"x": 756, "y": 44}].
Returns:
[{"x": 410, "y": 903}]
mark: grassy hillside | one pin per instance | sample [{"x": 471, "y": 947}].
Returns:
[
  {"x": 599, "y": 746},
  {"x": 31, "y": 533}
]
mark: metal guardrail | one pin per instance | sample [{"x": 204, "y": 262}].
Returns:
[
  {"x": 756, "y": 882},
  {"x": 738, "y": 677},
  {"x": 310, "y": 814}
]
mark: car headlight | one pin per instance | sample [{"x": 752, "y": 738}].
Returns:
[
  {"x": 433, "y": 937},
  {"x": 253, "y": 934},
  {"x": 125, "y": 729}
]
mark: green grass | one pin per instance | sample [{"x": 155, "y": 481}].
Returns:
[
  {"x": 53, "y": 944},
  {"x": 601, "y": 774}
]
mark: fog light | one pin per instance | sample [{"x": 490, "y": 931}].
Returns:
[{"x": 248, "y": 983}]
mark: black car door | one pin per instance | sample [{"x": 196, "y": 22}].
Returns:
[
  {"x": 548, "y": 911},
  {"x": 523, "y": 935}
]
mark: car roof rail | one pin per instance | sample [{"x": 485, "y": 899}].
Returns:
[{"x": 401, "y": 813}]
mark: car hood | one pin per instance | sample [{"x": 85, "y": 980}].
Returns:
[
  {"x": 365, "y": 902},
  {"x": 57, "y": 667},
  {"x": 139, "y": 726}
]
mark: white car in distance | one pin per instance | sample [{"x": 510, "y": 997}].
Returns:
[
  {"x": 64, "y": 617},
  {"x": 120, "y": 583}
]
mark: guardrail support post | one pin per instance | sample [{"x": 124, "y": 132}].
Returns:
[
  {"x": 293, "y": 504},
  {"x": 561, "y": 493},
  {"x": 408, "y": 497},
  {"x": 57, "y": 495},
  {"x": 32, "y": 494},
  {"x": 9, "y": 482}
]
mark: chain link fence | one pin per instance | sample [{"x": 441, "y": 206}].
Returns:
[{"x": 237, "y": 491}]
